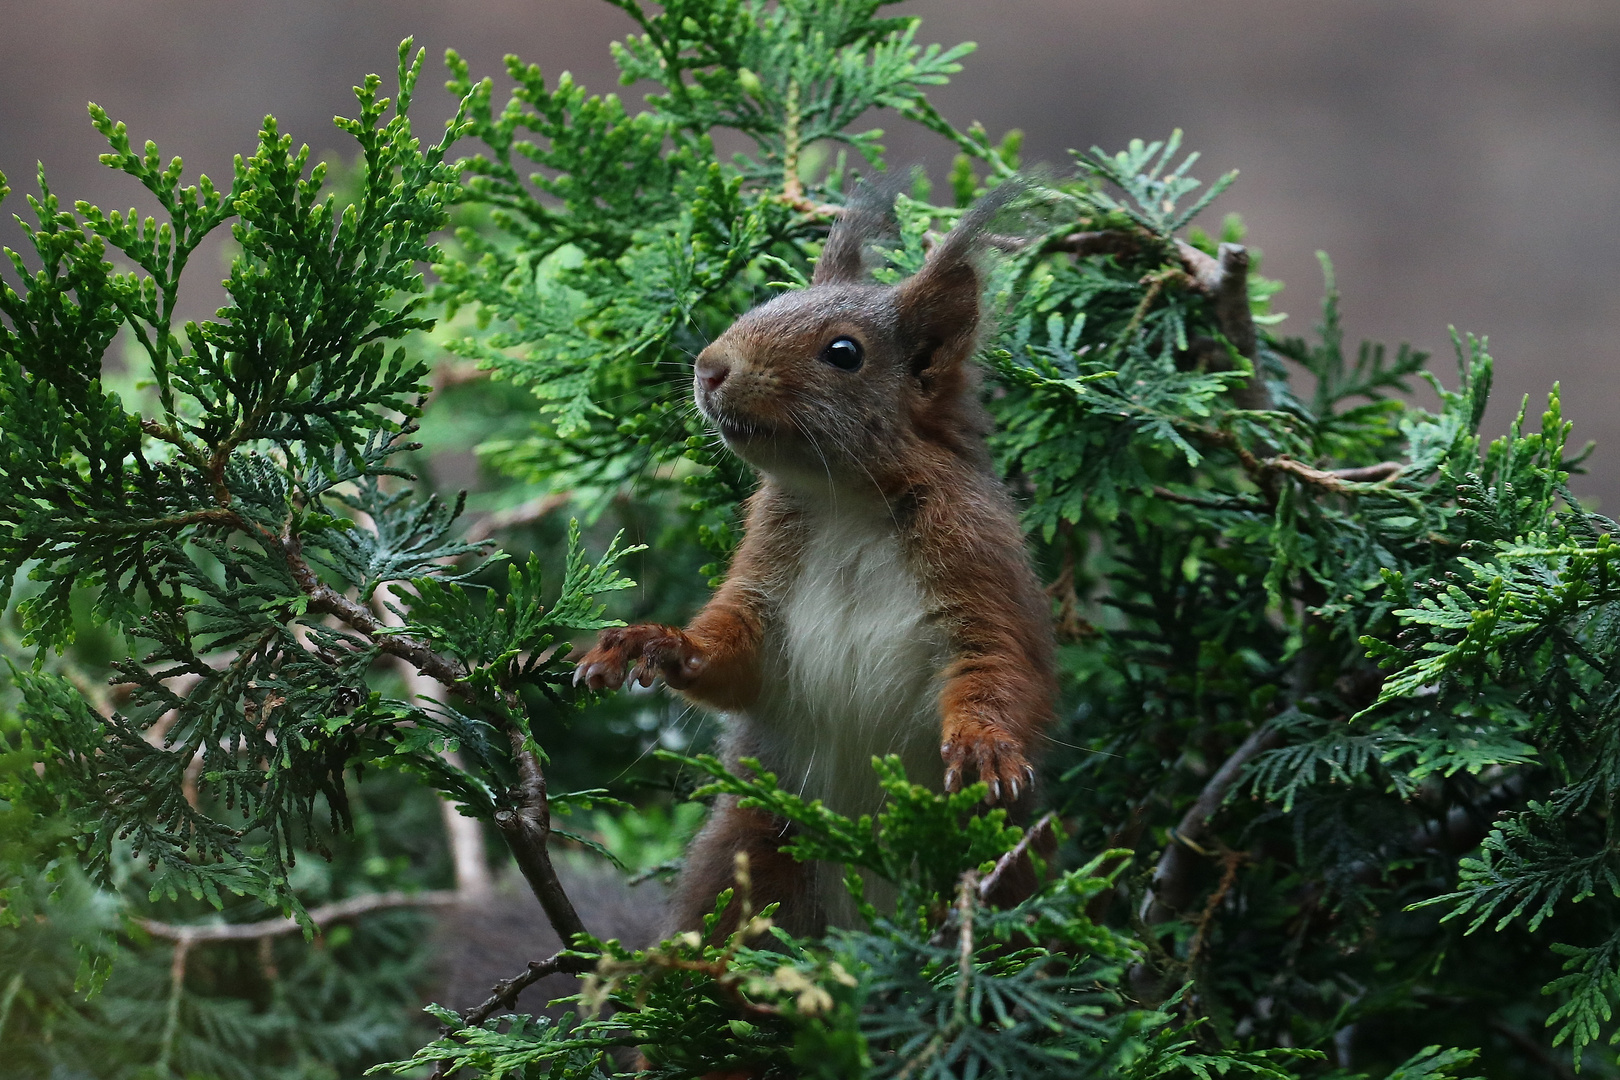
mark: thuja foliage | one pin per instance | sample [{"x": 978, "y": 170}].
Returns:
[{"x": 1338, "y": 746}]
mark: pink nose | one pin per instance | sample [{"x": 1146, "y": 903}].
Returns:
[{"x": 711, "y": 373}]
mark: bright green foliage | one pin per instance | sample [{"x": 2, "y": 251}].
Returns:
[{"x": 1385, "y": 648}]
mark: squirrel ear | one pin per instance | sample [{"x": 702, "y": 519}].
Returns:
[
  {"x": 867, "y": 215},
  {"x": 939, "y": 304}
]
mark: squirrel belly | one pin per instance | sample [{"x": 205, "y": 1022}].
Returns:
[
  {"x": 849, "y": 666},
  {"x": 850, "y": 670}
]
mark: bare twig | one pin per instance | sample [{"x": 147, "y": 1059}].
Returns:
[
  {"x": 1369, "y": 474},
  {"x": 1108, "y": 242},
  {"x": 175, "y": 438},
  {"x": 214, "y": 515},
  {"x": 1340, "y": 481},
  {"x": 1171, "y": 887},
  {"x": 171, "y": 1020},
  {"x": 523, "y": 514},
  {"x": 186, "y": 935},
  {"x": 992, "y": 879},
  {"x": 1224, "y": 278},
  {"x": 1226, "y": 502},
  {"x": 527, "y": 828},
  {"x": 967, "y": 891},
  {"x": 1230, "y": 860},
  {"x": 328, "y": 601},
  {"x": 504, "y": 994},
  {"x": 464, "y": 834},
  {"x": 1533, "y": 1049}
]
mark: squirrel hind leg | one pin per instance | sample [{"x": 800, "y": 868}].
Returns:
[{"x": 775, "y": 876}]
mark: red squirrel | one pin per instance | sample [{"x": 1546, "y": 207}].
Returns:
[{"x": 881, "y": 600}]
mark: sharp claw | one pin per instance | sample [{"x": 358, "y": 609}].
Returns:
[
  {"x": 579, "y": 673},
  {"x": 1029, "y": 774},
  {"x": 1012, "y": 788},
  {"x": 951, "y": 779},
  {"x": 995, "y": 792}
]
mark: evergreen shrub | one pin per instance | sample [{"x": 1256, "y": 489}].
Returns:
[{"x": 1339, "y": 741}]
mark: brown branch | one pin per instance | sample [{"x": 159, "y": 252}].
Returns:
[
  {"x": 1352, "y": 481},
  {"x": 1370, "y": 474},
  {"x": 1115, "y": 242},
  {"x": 1340, "y": 481},
  {"x": 186, "y": 935},
  {"x": 164, "y": 433},
  {"x": 1171, "y": 887},
  {"x": 1533, "y": 1049},
  {"x": 214, "y": 515},
  {"x": 967, "y": 890},
  {"x": 1225, "y": 279},
  {"x": 1108, "y": 242},
  {"x": 328, "y": 601},
  {"x": 992, "y": 879},
  {"x": 527, "y": 828},
  {"x": 1231, "y": 860},
  {"x": 504, "y": 994},
  {"x": 1229, "y": 502},
  {"x": 797, "y": 200}
]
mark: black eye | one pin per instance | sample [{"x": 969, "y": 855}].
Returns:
[{"x": 844, "y": 353}]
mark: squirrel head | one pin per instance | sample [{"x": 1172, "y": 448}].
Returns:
[{"x": 850, "y": 382}]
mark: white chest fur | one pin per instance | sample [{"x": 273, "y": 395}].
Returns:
[{"x": 851, "y": 666}]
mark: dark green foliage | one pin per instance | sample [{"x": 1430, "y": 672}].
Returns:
[
  {"x": 1377, "y": 651},
  {"x": 942, "y": 986}
]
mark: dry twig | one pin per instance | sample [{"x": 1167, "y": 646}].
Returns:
[
  {"x": 187, "y": 935},
  {"x": 1019, "y": 851},
  {"x": 1171, "y": 887}
]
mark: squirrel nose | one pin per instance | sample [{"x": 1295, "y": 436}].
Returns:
[{"x": 711, "y": 373}]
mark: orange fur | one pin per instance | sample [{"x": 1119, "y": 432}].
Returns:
[{"x": 885, "y": 458}]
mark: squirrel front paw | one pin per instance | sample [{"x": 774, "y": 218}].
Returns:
[
  {"x": 655, "y": 650},
  {"x": 998, "y": 760}
]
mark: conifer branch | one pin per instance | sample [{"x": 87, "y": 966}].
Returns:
[
  {"x": 328, "y": 601},
  {"x": 527, "y": 827},
  {"x": 216, "y": 515}
]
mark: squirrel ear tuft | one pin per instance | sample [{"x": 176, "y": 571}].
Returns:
[
  {"x": 939, "y": 304},
  {"x": 868, "y": 215}
]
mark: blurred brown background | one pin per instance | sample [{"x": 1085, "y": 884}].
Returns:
[{"x": 1460, "y": 159}]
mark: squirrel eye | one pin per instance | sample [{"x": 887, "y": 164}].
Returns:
[{"x": 844, "y": 353}]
